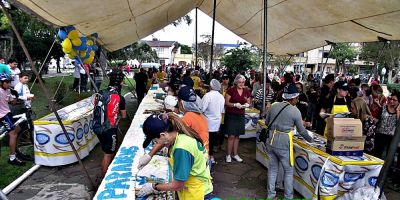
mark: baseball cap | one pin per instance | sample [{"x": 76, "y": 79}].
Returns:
[
  {"x": 170, "y": 102},
  {"x": 290, "y": 92},
  {"x": 225, "y": 76},
  {"x": 187, "y": 94},
  {"x": 152, "y": 127},
  {"x": 342, "y": 85},
  {"x": 188, "y": 81}
]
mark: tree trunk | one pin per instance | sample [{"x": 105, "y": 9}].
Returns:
[{"x": 389, "y": 81}]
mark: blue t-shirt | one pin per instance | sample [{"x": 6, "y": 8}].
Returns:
[{"x": 4, "y": 69}]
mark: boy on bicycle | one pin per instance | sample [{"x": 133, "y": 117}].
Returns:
[{"x": 8, "y": 96}]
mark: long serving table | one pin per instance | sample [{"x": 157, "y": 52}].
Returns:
[
  {"x": 333, "y": 175},
  {"x": 123, "y": 178}
]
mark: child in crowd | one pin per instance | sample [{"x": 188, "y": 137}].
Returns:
[{"x": 23, "y": 90}]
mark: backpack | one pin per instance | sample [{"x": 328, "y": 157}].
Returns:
[{"x": 106, "y": 109}]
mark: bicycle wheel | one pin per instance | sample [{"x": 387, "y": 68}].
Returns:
[{"x": 24, "y": 148}]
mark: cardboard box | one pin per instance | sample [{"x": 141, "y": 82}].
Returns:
[
  {"x": 346, "y": 146},
  {"x": 347, "y": 127}
]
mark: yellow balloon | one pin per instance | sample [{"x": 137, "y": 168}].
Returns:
[
  {"x": 88, "y": 60},
  {"x": 64, "y": 50},
  {"x": 82, "y": 53},
  {"x": 73, "y": 53},
  {"x": 92, "y": 54},
  {"x": 73, "y": 34},
  {"x": 77, "y": 41},
  {"x": 89, "y": 42},
  {"x": 67, "y": 45}
]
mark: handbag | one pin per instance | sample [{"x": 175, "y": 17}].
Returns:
[{"x": 264, "y": 133}]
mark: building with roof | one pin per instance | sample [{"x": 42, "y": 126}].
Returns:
[{"x": 166, "y": 50}]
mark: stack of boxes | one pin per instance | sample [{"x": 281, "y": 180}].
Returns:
[{"x": 345, "y": 137}]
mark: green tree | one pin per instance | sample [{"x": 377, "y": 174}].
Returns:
[
  {"x": 187, "y": 19},
  {"x": 388, "y": 58},
  {"x": 140, "y": 51},
  {"x": 185, "y": 49},
  {"x": 241, "y": 58},
  {"x": 37, "y": 36},
  {"x": 342, "y": 53},
  {"x": 204, "y": 50},
  {"x": 281, "y": 62}
]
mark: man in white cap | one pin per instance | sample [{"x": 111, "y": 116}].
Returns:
[
  {"x": 213, "y": 107},
  {"x": 170, "y": 104},
  {"x": 281, "y": 118}
]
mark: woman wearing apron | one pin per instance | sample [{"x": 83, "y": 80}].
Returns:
[
  {"x": 187, "y": 157},
  {"x": 340, "y": 103},
  {"x": 284, "y": 116}
]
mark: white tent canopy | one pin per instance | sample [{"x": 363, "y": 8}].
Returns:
[{"x": 294, "y": 26}]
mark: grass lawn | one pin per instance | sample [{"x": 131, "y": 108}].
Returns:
[{"x": 8, "y": 173}]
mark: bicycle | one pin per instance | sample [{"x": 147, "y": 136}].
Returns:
[{"x": 24, "y": 148}]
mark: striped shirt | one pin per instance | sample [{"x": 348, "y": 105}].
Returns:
[{"x": 269, "y": 97}]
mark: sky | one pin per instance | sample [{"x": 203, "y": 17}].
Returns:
[{"x": 185, "y": 34}]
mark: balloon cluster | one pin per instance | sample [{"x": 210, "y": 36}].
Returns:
[{"x": 78, "y": 48}]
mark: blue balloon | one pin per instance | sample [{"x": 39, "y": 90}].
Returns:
[
  {"x": 77, "y": 60},
  {"x": 95, "y": 35},
  {"x": 86, "y": 56},
  {"x": 83, "y": 46},
  {"x": 69, "y": 28},
  {"x": 62, "y": 34},
  {"x": 94, "y": 47}
]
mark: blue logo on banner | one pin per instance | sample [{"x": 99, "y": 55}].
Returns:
[
  {"x": 42, "y": 138},
  {"x": 316, "y": 171},
  {"x": 61, "y": 139},
  {"x": 372, "y": 180},
  {"x": 86, "y": 128},
  {"x": 353, "y": 177},
  {"x": 301, "y": 163},
  {"x": 79, "y": 133},
  {"x": 329, "y": 179}
]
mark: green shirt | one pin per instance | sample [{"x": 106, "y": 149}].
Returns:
[
  {"x": 4, "y": 69},
  {"x": 190, "y": 159}
]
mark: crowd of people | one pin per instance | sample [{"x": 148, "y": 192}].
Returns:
[
  {"x": 13, "y": 91},
  {"x": 212, "y": 106},
  {"x": 202, "y": 108}
]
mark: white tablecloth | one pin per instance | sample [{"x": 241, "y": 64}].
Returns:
[{"x": 122, "y": 178}]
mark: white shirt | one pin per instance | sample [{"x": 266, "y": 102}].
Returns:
[
  {"x": 77, "y": 68},
  {"x": 213, "y": 107},
  {"x": 23, "y": 93},
  {"x": 15, "y": 74}
]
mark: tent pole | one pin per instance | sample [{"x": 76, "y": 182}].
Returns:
[
  {"x": 44, "y": 62},
  {"x": 46, "y": 92},
  {"x": 195, "y": 40},
  {"x": 388, "y": 160},
  {"x": 265, "y": 60},
  {"x": 212, "y": 35}
]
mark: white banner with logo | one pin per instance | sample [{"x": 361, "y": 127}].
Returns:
[{"x": 51, "y": 146}]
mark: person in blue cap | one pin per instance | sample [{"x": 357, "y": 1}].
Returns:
[
  {"x": 281, "y": 118},
  {"x": 187, "y": 157}
]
